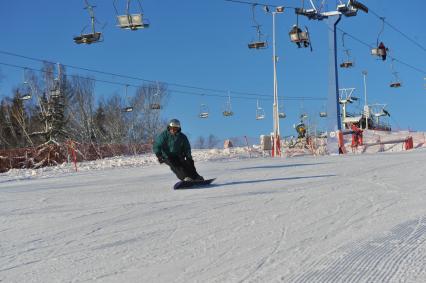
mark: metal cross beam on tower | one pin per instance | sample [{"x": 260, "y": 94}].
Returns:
[{"x": 350, "y": 9}]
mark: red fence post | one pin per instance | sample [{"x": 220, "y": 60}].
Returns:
[
  {"x": 408, "y": 143},
  {"x": 71, "y": 146}
]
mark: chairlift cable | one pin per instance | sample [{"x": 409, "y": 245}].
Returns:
[
  {"x": 390, "y": 56},
  {"x": 246, "y": 96},
  {"x": 183, "y": 85},
  {"x": 372, "y": 12},
  {"x": 120, "y": 75},
  {"x": 260, "y": 4},
  {"x": 397, "y": 30}
]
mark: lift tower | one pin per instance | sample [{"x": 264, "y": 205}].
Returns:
[{"x": 350, "y": 9}]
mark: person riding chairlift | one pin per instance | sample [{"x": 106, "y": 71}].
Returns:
[
  {"x": 299, "y": 36},
  {"x": 383, "y": 50}
]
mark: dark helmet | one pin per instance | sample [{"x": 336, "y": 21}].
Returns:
[{"x": 174, "y": 123}]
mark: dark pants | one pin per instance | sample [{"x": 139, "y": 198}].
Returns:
[{"x": 182, "y": 167}]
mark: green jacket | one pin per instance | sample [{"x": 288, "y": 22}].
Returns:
[{"x": 168, "y": 145}]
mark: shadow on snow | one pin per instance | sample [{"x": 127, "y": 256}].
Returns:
[
  {"x": 279, "y": 166},
  {"x": 218, "y": 185}
]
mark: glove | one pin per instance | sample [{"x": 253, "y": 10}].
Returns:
[{"x": 160, "y": 158}]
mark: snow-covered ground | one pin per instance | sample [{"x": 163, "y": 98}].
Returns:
[{"x": 348, "y": 218}]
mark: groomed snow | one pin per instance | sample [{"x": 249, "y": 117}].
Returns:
[{"x": 349, "y": 218}]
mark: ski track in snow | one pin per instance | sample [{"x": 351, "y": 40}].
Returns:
[
  {"x": 377, "y": 260},
  {"x": 355, "y": 218}
]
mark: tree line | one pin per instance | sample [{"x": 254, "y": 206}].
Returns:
[{"x": 51, "y": 107}]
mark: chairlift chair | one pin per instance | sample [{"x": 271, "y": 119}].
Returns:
[
  {"x": 381, "y": 49},
  {"x": 347, "y": 62},
  {"x": 128, "y": 108},
  {"x": 204, "y": 111},
  {"x": 258, "y": 43},
  {"x": 323, "y": 111},
  {"x": 323, "y": 114},
  {"x": 281, "y": 113},
  {"x": 131, "y": 21},
  {"x": 55, "y": 91},
  {"x": 351, "y": 9},
  {"x": 311, "y": 14},
  {"x": 301, "y": 38},
  {"x": 227, "y": 112},
  {"x": 260, "y": 113},
  {"x": 25, "y": 90},
  {"x": 396, "y": 83},
  {"x": 346, "y": 10},
  {"x": 25, "y": 97},
  {"x": 156, "y": 105},
  {"x": 89, "y": 38}
]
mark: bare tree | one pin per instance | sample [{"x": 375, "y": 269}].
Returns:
[
  {"x": 9, "y": 134},
  {"x": 4, "y": 137},
  {"x": 149, "y": 100},
  {"x": 115, "y": 120},
  {"x": 236, "y": 141},
  {"x": 200, "y": 142},
  {"x": 52, "y": 95},
  {"x": 212, "y": 141},
  {"x": 19, "y": 121},
  {"x": 81, "y": 109}
]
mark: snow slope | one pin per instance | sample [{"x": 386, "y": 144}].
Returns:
[{"x": 351, "y": 218}]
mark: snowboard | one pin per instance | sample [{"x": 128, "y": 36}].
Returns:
[{"x": 181, "y": 185}]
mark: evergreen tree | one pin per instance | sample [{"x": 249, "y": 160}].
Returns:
[{"x": 99, "y": 120}]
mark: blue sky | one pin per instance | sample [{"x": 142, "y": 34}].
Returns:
[{"x": 203, "y": 44}]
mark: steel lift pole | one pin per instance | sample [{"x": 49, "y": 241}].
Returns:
[
  {"x": 276, "y": 122},
  {"x": 334, "y": 124}
]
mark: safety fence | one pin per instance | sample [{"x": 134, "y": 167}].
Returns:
[
  {"x": 54, "y": 154},
  {"x": 372, "y": 141},
  {"x": 293, "y": 146},
  {"x": 350, "y": 141}
]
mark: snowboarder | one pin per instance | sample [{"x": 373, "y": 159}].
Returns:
[{"x": 172, "y": 147}]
